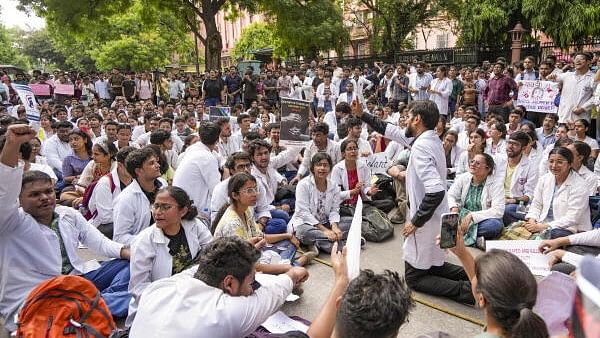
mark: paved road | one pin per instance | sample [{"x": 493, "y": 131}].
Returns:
[{"x": 380, "y": 256}]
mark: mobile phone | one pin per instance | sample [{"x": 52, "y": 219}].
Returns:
[{"x": 449, "y": 230}]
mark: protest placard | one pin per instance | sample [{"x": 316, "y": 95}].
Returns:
[
  {"x": 538, "y": 96},
  {"x": 64, "y": 89},
  {"x": 353, "y": 241},
  {"x": 217, "y": 112},
  {"x": 40, "y": 89},
  {"x": 378, "y": 163},
  {"x": 29, "y": 102},
  {"x": 527, "y": 251},
  {"x": 294, "y": 122}
]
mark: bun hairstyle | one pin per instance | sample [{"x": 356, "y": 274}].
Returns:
[
  {"x": 183, "y": 201},
  {"x": 510, "y": 292}
]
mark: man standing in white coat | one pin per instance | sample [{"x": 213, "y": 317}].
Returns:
[{"x": 425, "y": 267}]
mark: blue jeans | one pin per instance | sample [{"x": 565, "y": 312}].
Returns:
[
  {"x": 490, "y": 228},
  {"x": 211, "y": 101},
  {"x": 112, "y": 279},
  {"x": 277, "y": 213},
  {"x": 510, "y": 214},
  {"x": 557, "y": 233}
]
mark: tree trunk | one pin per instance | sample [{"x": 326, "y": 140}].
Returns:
[{"x": 214, "y": 44}]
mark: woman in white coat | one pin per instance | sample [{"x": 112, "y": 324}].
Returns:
[
  {"x": 327, "y": 94},
  {"x": 352, "y": 176},
  {"x": 479, "y": 200},
  {"x": 167, "y": 247},
  {"x": 316, "y": 219},
  {"x": 581, "y": 153},
  {"x": 440, "y": 90},
  {"x": 496, "y": 143},
  {"x": 560, "y": 201}
]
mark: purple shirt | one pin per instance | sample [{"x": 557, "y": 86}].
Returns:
[
  {"x": 73, "y": 165},
  {"x": 499, "y": 89}
]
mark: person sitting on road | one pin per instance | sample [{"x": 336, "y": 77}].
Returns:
[
  {"x": 478, "y": 199},
  {"x": 560, "y": 201},
  {"x": 506, "y": 290},
  {"x": 567, "y": 252},
  {"x": 352, "y": 175},
  {"x": 39, "y": 239},
  {"x": 224, "y": 298},
  {"x": 317, "y": 219},
  {"x": 167, "y": 247}
]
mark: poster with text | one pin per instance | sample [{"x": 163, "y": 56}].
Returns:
[
  {"x": 538, "y": 96},
  {"x": 64, "y": 89},
  {"x": 217, "y": 112},
  {"x": 378, "y": 163},
  {"x": 294, "y": 122},
  {"x": 527, "y": 251}
]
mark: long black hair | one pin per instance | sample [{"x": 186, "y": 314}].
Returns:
[{"x": 235, "y": 184}]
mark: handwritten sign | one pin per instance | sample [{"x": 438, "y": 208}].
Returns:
[
  {"x": 527, "y": 251},
  {"x": 64, "y": 89},
  {"x": 280, "y": 323},
  {"x": 378, "y": 163},
  {"x": 40, "y": 89},
  {"x": 538, "y": 96}
]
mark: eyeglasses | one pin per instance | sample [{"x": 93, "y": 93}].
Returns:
[
  {"x": 475, "y": 163},
  {"x": 243, "y": 166},
  {"x": 250, "y": 190},
  {"x": 162, "y": 206},
  {"x": 352, "y": 149}
]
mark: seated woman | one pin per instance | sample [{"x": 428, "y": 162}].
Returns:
[
  {"x": 29, "y": 161},
  {"x": 317, "y": 218},
  {"x": 452, "y": 152},
  {"x": 351, "y": 175},
  {"x": 506, "y": 290},
  {"x": 479, "y": 200},
  {"x": 476, "y": 146},
  {"x": 581, "y": 154},
  {"x": 568, "y": 251},
  {"x": 73, "y": 165},
  {"x": 103, "y": 156},
  {"x": 581, "y": 127},
  {"x": 167, "y": 247},
  {"x": 560, "y": 200},
  {"x": 237, "y": 219},
  {"x": 496, "y": 143}
]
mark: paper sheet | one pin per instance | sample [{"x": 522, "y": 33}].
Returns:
[
  {"x": 527, "y": 251},
  {"x": 353, "y": 242},
  {"x": 279, "y": 322}
]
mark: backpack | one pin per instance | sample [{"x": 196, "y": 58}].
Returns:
[
  {"x": 87, "y": 195},
  {"x": 65, "y": 306},
  {"x": 376, "y": 226}
]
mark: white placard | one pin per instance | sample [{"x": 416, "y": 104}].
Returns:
[
  {"x": 378, "y": 163},
  {"x": 279, "y": 323},
  {"x": 538, "y": 96},
  {"x": 353, "y": 242},
  {"x": 527, "y": 251}
]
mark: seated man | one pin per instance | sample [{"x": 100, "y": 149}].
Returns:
[
  {"x": 238, "y": 162},
  {"x": 222, "y": 299},
  {"x": 319, "y": 143},
  {"x": 39, "y": 239}
]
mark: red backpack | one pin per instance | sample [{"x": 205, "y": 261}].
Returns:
[
  {"x": 65, "y": 306},
  {"x": 87, "y": 195}
]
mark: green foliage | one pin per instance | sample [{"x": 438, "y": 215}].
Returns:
[
  {"x": 306, "y": 27},
  {"x": 9, "y": 49},
  {"x": 258, "y": 35},
  {"x": 488, "y": 21},
  {"x": 40, "y": 50}
]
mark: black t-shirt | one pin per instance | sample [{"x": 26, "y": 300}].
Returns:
[
  {"x": 316, "y": 82},
  {"x": 151, "y": 196},
  {"x": 128, "y": 88},
  {"x": 213, "y": 88},
  {"x": 180, "y": 251}
]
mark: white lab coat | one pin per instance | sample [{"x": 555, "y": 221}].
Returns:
[
  {"x": 102, "y": 199},
  {"x": 443, "y": 86},
  {"x": 30, "y": 251},
  {"x": 425, "y": 173},
  {"x": 219, "y": 198},
  {"x": 307, "y": 202},
  {"x": 198, "y": 174},
  {"x": 524, "y": 177},
  {"x": 150, "y": 258},
  {"x": 500, "y": 147},
  {"x": 55, "y": 151},
  {"x": 492, "y": 197},
  {"x": 570, "y": 206},
  {"x": 321, "y": 97},
  {"x": 591, "y": 181},
  {"x": 131, "y": 212},
  {"x": 182, "y": 306},
  {"x": 339, "y": 177},
  {"x": 361, "y": 85}
]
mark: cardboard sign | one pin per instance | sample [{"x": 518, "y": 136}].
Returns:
[
  {"x": 294, "y": 122},
  {"x": 217, "y": 112},
  {"x": 378, "y": 163},
  {"x": 538, "y": 96},
  {"x": 527, "y": 251},
  {"x": 29, "y": 102},
  {"x": 64, "y": 89},
  {"x": 40, "y": 89}
]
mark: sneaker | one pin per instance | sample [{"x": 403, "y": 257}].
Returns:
[
  {"x": 480, "y": 243},
  {"x": 309, "y": 256},
  {"x": 312, "y": 248}
]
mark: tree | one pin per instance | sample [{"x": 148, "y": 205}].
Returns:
[
  {"x": 488, "y": 21},
  {"x": 39, "y": 48},
  {"x": 9, "y": 51},
  {"x": 394, "y": 20},
  {"x": 258, "y": 35}
]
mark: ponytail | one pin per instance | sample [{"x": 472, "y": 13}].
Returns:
[
  {"x": 218, "y": 218},
  {"x": 529, "y": 325}
]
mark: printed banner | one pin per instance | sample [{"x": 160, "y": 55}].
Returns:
[
  {"x": 527, "y": 251},
  {"x": 217, "y": 112},
  {"x": 294, "y": 122},
  {"x": 40, "y": 89},
  {"x": 64, "y": 89},
  {"x": 378, "y": 163},
  {"x": 28, "y": 101},
  {"x": 353, "y": 241},
  {"x": 538, "y": 96}
]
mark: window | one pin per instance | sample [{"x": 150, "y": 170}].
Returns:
[
  {"x": 362, "y": 49},
  {"x": 442, "y": 40}
]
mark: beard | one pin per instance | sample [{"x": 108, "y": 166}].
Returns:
[{"x": 409, "y": 131}]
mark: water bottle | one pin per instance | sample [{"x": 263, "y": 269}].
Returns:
[
  {"x": 206, "y": 213},
  {"x": 521, "y": 208}
]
